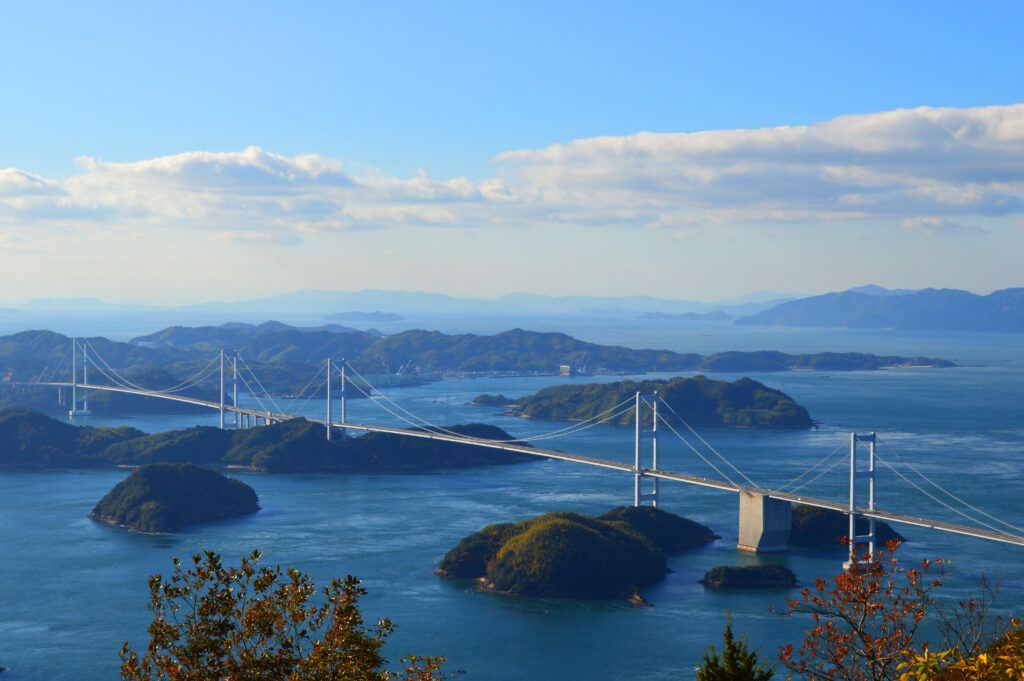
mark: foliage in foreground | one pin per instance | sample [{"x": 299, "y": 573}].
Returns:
[
  {"x": 737, "y": 663},
  {"x": 212, "y": 623},
  {"x": 866, "y": 623},
  {"x": 865, "y": 619},
  {"x": 1002, "y": 661}
]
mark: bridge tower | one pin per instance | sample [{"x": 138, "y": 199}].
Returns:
[
  {"x": 330, "y": 398},
  {"x": 859, "y": 473},
  {"x": 226, "y": 385},
  {"x": 639, "y": 496},
  {"x": 79, "y": 402}
]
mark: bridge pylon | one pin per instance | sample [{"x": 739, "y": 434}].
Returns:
[
  {"x": 639, "y": 496},
  {"x": 229, "y": 386},
  {"x": 859, "y": 473},
  {"x": 331, "y": 366},
  {"x": 79, "y": 401}
]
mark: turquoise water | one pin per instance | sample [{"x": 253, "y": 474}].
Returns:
[{"x": 71, "y": 591}]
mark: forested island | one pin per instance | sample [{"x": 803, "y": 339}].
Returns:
[
  {"x": 571, "y": 555},
  {"x": 699, "y": 400},
  {"x": 165, "y": 497},
  {"x": 285, "y": 357},
  {"x": 30, "y": 440},
  {"x": 823, "y": 528}
]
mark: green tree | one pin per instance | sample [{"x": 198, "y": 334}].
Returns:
[
  {"x": 737, "y": 663},
  {"x": 212, "y": 623}
]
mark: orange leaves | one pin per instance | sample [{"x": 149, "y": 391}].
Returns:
[{"x": 865, "y": 620}]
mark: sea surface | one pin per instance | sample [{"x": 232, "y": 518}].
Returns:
[{"x": 72, "y": 591}]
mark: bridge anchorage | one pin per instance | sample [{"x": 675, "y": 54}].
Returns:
[{"x": 764, "y": 513}]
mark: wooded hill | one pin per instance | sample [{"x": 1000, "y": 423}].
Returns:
[
  {"x": 698, "y": 400},
  {"x": 570, "y": 555},
  {"x": 30, "y": 440},
  {"x": 285, "y": 358}
]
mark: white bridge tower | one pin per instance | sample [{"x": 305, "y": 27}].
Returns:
[
  {"x": 859, "y": 473},
  {"x": 229, "y": 385},
  {"x": 79, "y": 401},
  {"x": 639, "y": 496}
]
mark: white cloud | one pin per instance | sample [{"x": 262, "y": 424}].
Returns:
[
  {"x": 951, "y": 165},
  {"x": 936, "y": 225}
]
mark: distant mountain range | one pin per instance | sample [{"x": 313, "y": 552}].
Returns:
[
  {"x": 713, "y": 316},
  {"x": 863, "y": 307},
  {"x": 393, "y": 306},
  {"x": 356, "y": 316},
  {"x": 873, "y": 307}
]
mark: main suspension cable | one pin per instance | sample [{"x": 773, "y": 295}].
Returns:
[
  {"x": 947, "y": 492},
  {"x": 932, "y": 497},
  {"x": 256, "y": 378},
  {"x": 302, "y": 392},
  {"x": 561, "y": 432},
  {"x": 706, "y": 443},
  {"x": 816, "y": 477},
  {"x": 196, "y": 378},
  {"x": 809, "y": 470},
  {"x": 695, "y": 451}
]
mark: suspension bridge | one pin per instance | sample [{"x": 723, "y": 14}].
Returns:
[{"x": 764, "y": 514}]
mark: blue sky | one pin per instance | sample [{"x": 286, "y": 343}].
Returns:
[{"x": 409, "y": 145}]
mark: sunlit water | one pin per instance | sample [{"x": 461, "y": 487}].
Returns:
[{"x": 71, "y": 590}]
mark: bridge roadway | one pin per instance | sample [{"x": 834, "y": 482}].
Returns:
[{"x": 588, "y": 460}]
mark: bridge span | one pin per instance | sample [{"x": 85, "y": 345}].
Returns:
[{"x": 764, "y": 513}]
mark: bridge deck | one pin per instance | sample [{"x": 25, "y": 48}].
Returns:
[{"x": 588, "y": 460}]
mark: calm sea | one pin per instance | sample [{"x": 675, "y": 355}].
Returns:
[{"x": 71, "y": 591}]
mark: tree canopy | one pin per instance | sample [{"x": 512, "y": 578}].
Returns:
[{"x": 250, "y": 623}]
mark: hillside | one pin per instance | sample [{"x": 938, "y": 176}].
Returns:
[
  {"x": 929, "y": 309},
  {"x": 699, "y": 401},
  {"x": 285, "y": 358},
  {"x": 300, "y": 446},
  {"x": 29, "y": 439},
  {"x": 106, "y": 403}
]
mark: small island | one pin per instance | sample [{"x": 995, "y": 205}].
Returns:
[
  {"x": 571, "y": 555},
  {"x": 700, "y": 401},
  {"x": 823, "y": 528},
  {"x": 766, "y": 576},
  {"x": 164, "y": 497},
  {"x": 493, "y": 401}
]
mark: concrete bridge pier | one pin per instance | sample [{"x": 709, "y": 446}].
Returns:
[{"x": 764, "y": 523}]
